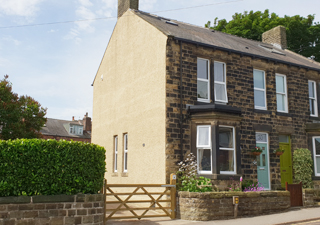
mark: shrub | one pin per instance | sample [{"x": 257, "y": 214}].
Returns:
[
  {"x": 187, "y": 177},
  {"x": 302, "y": 166},
  {"x": 50, "y": 167}
]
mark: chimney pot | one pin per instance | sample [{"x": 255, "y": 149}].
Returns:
[
  {"x": 73, "y": 118},
  {"x": 124, "y": 5},
  {"x": 276, "y": 36}
]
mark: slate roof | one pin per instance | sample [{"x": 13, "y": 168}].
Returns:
[
  {"x": 208, "y": 37},
  {"x": 56, "y": 127}
]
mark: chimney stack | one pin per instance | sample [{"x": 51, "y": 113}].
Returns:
[
  {"x": 73, "y": 118},
  {"x": 86, "y": 123},
  {"x": 276, "y": 36},
  {"x": 124, "y": 5}
]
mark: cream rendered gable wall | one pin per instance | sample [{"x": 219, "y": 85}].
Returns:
[{"x": 130, "y": 98}]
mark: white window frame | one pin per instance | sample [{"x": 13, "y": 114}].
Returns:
[
  {"x": 314, "y": 99},
  {"x": 115, "y": 162},
  {"x": 209, "y": 146},
  {"x": 230, "y": 149},
  {"x": 260, "y": 89},
  {"x": 204, "y": 80},
  {"x": 219, "y": 82},
  {"x": 125, "y": 153},
  {"x": 317, "y": 173},
  {"x": 283, "y": 94},
  {"x": 80, "y": 130}
]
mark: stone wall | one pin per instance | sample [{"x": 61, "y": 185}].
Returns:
[
  {"x": 55, "y": 209},
  {"x": 219, "y": 205},
  {"x": 239, "y": 73},
  {"x": 311, "y": 197}
]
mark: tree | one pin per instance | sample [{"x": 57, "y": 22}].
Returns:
[
  {"x": 20, "y": 117},
  {"x": 303, "y": 35}
]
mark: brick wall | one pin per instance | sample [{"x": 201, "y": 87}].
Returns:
[
  {"x": 240, "y": 94},
  {"x": 55, "y": 209},
  {"x": 219, "y": 205},
  {"x": 311, "y": 197}
]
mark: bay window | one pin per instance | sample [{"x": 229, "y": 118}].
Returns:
[
  {"x": 227, "y": 150},
  {"x": 204, "y": 151},
  {"x": 316, "y": 155}
]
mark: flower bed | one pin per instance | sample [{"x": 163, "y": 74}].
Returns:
[{"x": 219, "y": 205}]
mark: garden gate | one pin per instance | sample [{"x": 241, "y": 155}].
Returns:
[
  {"x": 141, "y": 202},
  {"x": 295, "y": 194}
]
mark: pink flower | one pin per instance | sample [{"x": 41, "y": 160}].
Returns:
[{"x": 240, "y": 179}]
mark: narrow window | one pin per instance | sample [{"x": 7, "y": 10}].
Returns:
[
  {"x": 313, "y": 98},
  {"x": 125, "y": 147},
  {"x": 203, "y": 86},
  {"x": 281, "y": 90},
  {"x": 80, "y": 131},
  {"x": 227, "y": 150},
  {"x": 115, "y": 162},
  {"x": 316, "y": 155},
  {"x": 220, "y": 88},
  {"x": 71, "y": 130},
  {"x": 204, "y": 153},
  {"x": 259, "y": 90}
]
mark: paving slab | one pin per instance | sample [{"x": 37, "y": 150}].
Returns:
[{"x": 294, "y": 216}]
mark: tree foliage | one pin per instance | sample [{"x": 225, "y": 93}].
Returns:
[
  {"x": 302, "y": 167},
  {"x": 20, "y": 117},
  {"x": 303, "y": 34}
]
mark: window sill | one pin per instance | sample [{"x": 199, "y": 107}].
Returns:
[
  {"x": 125, "y": 174},
  {"x": 114, "y": 174},
  {"x": 284, "y": 114},
  {"x": 221, "y": 176},
  {"x": 316, "y": 178},
  {"x": 314, "y": 118},
  {"x": 262, "y": 111}
]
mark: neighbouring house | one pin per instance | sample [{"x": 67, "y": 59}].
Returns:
[
  {"x": 76, "y": 130},
  {"x": 165, "y": 88}
]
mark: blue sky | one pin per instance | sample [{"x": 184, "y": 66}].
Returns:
[{"x": 56, "y": 63}]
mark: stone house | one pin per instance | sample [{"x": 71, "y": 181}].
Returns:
[
  {"x": 76, "y": 130},
  {"x": 165, "y": 88}
]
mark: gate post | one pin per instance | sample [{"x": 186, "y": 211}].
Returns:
[
  {"x": 173, "y": 179},
  {"x": 105, "y": 200}
]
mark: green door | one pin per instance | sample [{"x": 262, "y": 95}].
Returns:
[
  {"x": 285, "y": 160},
  {"x": 263, "y": 160}
]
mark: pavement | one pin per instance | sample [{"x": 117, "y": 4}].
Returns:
[{"x": 296, "y": 216}]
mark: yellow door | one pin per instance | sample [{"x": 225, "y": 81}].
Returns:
[{"x": 285, "y": 160}]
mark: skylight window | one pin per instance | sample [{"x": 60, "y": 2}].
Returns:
[
  {"x": 271, "y": 49},
  {"x": 172, "y": 23}
]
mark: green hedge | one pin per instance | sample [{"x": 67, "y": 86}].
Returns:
[{"x": 50, "y": 167}]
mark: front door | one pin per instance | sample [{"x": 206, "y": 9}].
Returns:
[
  {"x": 285, "y": 160},
  {"x": 263, "y": 160}
]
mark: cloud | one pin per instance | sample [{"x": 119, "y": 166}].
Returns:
[
  {"x": 25, "y": 8},
  {"x": 83, "y": 12},
  {"x": 11, "y": 40}
]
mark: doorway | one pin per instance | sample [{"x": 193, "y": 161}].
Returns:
[
  {"x": 285, "y": 160},
  {"x": 263, "y": 160}
]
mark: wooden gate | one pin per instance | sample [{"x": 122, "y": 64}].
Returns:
[
  {"x": 295, "y": 194},
  {"x": 124, "y": 202}
]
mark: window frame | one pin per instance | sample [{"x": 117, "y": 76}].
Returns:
[
  {"x": 204, "y": 80},
  {"x": 80, "y": 131},
  {"x": 316, "y": 173},
  {"x": 314, "y": 99},
  {"x": 125, "y": 152},
  {"x": 259, "y": 89},
  {"x": 115, "y": 154},
  {"x": 207, "y": 147},
  {"x": 219, "y": 82},
  {"x": 71, "y": 129},
  {"x": 285, "y": 93},
  {"x": 230, "y": 149}
]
